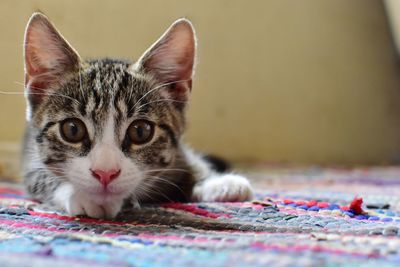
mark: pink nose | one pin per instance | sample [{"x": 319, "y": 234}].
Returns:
[{"x": 105, "y": 177}]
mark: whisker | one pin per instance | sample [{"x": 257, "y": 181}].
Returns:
[
  {"x": 80, "y": 84},
  {"x": 161, "y": 179},
  {"x": 43, "y": 92},
  {"x": 166, "y": 169},
  {"x": 152, "y": 189},
  {"x": 161, "y": 100},
  {"x": 154, "y": 89}
]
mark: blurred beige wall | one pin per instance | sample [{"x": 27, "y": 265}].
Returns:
[{"x": 296, "y": 81}]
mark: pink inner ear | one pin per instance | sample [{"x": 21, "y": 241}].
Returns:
[
  {"x": 48, "y": 58},
  {"x": 33, "y": 66},
  {"x": 171, "y": 58},
  {"x": 47, "y": 55},
  {"x": 180, "y": 91},
  {"x": 37, "y": 87}
]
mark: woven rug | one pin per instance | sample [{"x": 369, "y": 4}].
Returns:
[{"x": 300, "y": 217}]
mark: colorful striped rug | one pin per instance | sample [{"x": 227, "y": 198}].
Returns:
[{"x": 300, "y": 217}]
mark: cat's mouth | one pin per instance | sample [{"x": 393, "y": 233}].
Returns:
[
  {"x": 105, "y": 191},
  {"x": 105, "y": 195}
]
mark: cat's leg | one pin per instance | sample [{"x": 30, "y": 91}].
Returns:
[
  {"x": 75, "y": 202},
  {"x": 213, "y": 186},
  {"x": 223, "y": 188}
]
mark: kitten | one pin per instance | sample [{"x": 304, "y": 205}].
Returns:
[{"x": 106, "y": 133}]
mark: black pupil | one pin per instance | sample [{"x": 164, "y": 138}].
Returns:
[
  {"x": 73, "y": 128},
  {"x": 140, "y": 131}
]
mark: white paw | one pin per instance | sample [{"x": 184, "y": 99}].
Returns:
[
  {"x": 223, "y": 188},
  {"x": 78, "y": 203},
  {"x": 81, "y": 205}
]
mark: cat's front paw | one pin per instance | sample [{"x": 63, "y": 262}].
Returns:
[
  {"x": 223, "y": 188},
  {"x": 79, "y": 205}
]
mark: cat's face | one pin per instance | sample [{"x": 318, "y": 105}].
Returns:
[{"x": 107, "y": 126}]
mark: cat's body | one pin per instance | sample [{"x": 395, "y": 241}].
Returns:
[{"x": 104, "y": 133}]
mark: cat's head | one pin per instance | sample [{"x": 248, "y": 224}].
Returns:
[{"x": 107, "y": 126}]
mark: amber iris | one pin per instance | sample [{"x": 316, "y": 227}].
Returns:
[
  {"x": 140, "y": 131},
  {"x": 73, "y": 130}
]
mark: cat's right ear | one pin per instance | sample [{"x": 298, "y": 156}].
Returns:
[
  {"x": 171, "y": 59},
  {"x": 49, "y": 59}
]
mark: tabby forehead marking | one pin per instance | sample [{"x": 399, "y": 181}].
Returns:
[{"x": 105, "y": 155}]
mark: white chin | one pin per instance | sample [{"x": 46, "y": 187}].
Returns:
[{"x": 105, "y": 197}]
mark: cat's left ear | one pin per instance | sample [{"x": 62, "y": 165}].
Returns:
[
  {"x": 49, "y": 59},
  {"x": 170, "y": 60}
]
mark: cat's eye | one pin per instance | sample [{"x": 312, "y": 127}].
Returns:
[
  {"x": 140, "y": 131},
  {"x": 73, "y": 130}
]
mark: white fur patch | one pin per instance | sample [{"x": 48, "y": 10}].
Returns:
[
  {"x": 62, "y": 195},
  {"x": 76, "y": 202},
  {"x": 223, "y": 188},
  {"x": 80, "y": 204}
]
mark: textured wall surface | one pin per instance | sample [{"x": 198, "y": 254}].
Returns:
[{"x": 298, "y": 81}]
